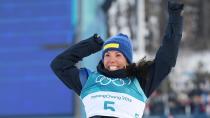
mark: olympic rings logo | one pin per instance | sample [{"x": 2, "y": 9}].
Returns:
[{"x": 117, "y": 82}]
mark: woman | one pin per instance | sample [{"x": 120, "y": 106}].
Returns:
[{"x": 119, "y": 87}]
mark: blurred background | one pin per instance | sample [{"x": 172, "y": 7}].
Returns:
[{"x": 33, "y": 32}]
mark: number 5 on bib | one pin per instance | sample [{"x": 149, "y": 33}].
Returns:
[{"x": 109, "y": 105}]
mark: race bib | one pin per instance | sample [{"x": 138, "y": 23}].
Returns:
[{"x": 113, "y": 104}]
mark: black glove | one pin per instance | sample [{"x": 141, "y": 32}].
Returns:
[
  {"x": 97, "y": 39},
  {"x": 174, "y": 7}
]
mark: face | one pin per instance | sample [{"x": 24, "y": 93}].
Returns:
[{"x": 114, "y": 60}]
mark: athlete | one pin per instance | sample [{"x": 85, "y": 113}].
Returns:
[{"x": 119, "y": 87}]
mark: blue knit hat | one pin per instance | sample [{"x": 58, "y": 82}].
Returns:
[{"x": 121, "y": 43}]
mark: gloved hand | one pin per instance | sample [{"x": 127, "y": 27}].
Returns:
[
  {"x": 175, "y": 7},
  {"x": 96, "y": 37}
]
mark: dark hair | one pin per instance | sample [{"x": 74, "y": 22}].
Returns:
[{"x": 139, "y": 69}]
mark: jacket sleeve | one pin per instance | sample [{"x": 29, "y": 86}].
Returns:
[
  {"x": 167, "y": 53},
  {"x": 64, "y": 64}
]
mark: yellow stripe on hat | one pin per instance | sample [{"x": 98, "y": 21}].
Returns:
[{"x": 111, "y": 45}]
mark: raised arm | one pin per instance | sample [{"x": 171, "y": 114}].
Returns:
[
  {"x": 167, "y": 54},
  {"x": 64, "y": 64}
]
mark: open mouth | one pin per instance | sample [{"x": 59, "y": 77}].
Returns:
[{"x": 113, "y": 68}]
